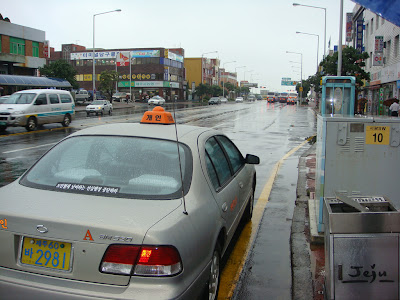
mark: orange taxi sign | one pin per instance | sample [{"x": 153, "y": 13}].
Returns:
[{"x": 157, "y": 116}]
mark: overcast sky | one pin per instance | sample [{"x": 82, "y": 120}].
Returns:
[{"x": 254, "y": 33}]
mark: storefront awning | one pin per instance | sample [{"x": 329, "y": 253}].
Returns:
[
  {"x": 387, "y": 9},
  {"x": 33, "y": 81}
]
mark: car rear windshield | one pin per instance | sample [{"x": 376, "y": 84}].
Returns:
[
  {"x": 20, "y": 98},
  {"x": 114, "y": 166}
]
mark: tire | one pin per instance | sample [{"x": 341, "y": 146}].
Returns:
[
  {"x": 214, "y": 275},
  {"x": 102, "y": 112},
  {"x": 248, "y": 213},
  {"x": 87, "y": 114},
  {"x": 31, "y": 124},
  {"x": 3, "y": 128},
  {"x": 66, "y": 121}
]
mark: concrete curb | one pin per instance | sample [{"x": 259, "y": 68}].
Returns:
[{"x": 302, "y": 284}]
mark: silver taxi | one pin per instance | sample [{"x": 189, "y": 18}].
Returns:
[{"x": 125, "y": 211}]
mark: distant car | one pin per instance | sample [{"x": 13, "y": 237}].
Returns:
[
  {"x": 99, "y": 107},
  {"x": 109, "y": 213},
  {"x": 120, "y": 96},
  {"x": 214, "y": 101},
  {"x": 3, "y": 98},
  {"x": 259, "y": 97},
  {"x": 223, "y": 100},
  {"x": 156, "y": 100},
  {"x": 251, "y": 98},
  {"x": 239, "y": 99}
]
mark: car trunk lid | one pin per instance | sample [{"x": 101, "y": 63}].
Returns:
[{"x": 84, "y": 224}]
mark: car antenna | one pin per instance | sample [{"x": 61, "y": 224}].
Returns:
[{"x": 179, "y": 158}]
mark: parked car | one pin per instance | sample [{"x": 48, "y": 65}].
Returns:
[
  {"x": 156, "y": 100},
  {"x": 214, "y": 100},
  {"x": 81, "y": 97},
  {"x": 223, "y": 100},
  {"x": 3, "y": 98},
  {"x": 109, "y": 213},
  {"x": 239, "y": 99},
  {"x": 120, "y": 96},
  {"x": 30, "y": 108},
  {"x": 99, "y": 107}
]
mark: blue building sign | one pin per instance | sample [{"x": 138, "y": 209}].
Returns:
[{"x": 359, "y": 35}]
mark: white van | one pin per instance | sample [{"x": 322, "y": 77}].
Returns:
[{"x": 30, "y": 108}]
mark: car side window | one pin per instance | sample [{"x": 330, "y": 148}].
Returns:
[
  {"x": 54, "y": 99},
  {"x": 218, "y": 161},
  {"x": 43, "y": 98},
  {"x": 235, "y": 157},
  {"x": 212, "y": 173},
  {"x": 65, "y": 98}
]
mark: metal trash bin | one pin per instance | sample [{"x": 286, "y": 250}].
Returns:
[{"x": 361, "y": 248}]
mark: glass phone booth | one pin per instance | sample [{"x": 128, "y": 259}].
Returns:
[{"x": 338, "y": 95}]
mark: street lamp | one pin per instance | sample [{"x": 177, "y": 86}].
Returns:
[
  {"x": 297, "y": 4},
  {"x": 223, "y": 81},
  {"x": 301, "y": 74},
  {"x": 244, "y": 74},
  {"x": 202, "y": 73},
  {"x": 298, "y": 32},
  {"x": 94, "y": 70},
  {"x": 238, "y": 77}
]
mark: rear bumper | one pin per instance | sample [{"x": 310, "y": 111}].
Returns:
[{"x": 16, "y": 284}]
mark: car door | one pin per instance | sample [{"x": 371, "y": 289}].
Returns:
[
  {"x": 41, "y": 109},
  {"x": 240, "y": 172},
  {"x": 225, "y": 187},
  {"x": 55, "y": 107}
]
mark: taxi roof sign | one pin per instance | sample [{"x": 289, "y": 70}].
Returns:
[{"x": 157, "y": 116}]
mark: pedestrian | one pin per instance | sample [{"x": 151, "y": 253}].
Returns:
[
  {"x": 394, "y": 108},
  {"x": 127, "y": 98}
]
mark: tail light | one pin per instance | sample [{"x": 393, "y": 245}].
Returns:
[{"x": 141, "y": 260}]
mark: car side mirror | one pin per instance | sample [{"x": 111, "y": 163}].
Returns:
[{"x": 252, "y": 159}]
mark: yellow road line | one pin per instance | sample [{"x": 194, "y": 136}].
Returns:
[{"x": 234, "y": 266}]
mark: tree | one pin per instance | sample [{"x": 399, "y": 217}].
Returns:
[
  {"x": 107, "y": 82},
  {"x": 216, "y": 90},
  {"x": 202, "y": 89},
  {"x": 60, "y": 69},
  {"x": 352, "y": 63},
  {"x": 229, "y": 87},
  {"x": 306, "y": 88}
]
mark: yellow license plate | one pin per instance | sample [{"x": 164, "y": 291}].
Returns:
[{"x": 46, "y": 253}]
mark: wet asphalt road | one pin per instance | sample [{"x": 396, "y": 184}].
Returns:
[{"x": 267, "y": 130}]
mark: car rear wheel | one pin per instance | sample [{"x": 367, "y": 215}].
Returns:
[
  {"x": 31, "y": 124},
  {"x": 248, "y": 213},
  {"x": 214, "y": 276},
  {"x": 66, "y": 121}
]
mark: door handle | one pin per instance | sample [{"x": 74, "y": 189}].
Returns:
[
  {"x": 240, "y": 184},
  {"x": 224, "y": 207}
]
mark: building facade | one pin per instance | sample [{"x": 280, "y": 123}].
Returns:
[
  {"x": 380, "y": 39},
  {"x": 21, "y": 49},
  {"x": 152, "y": 71}
]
